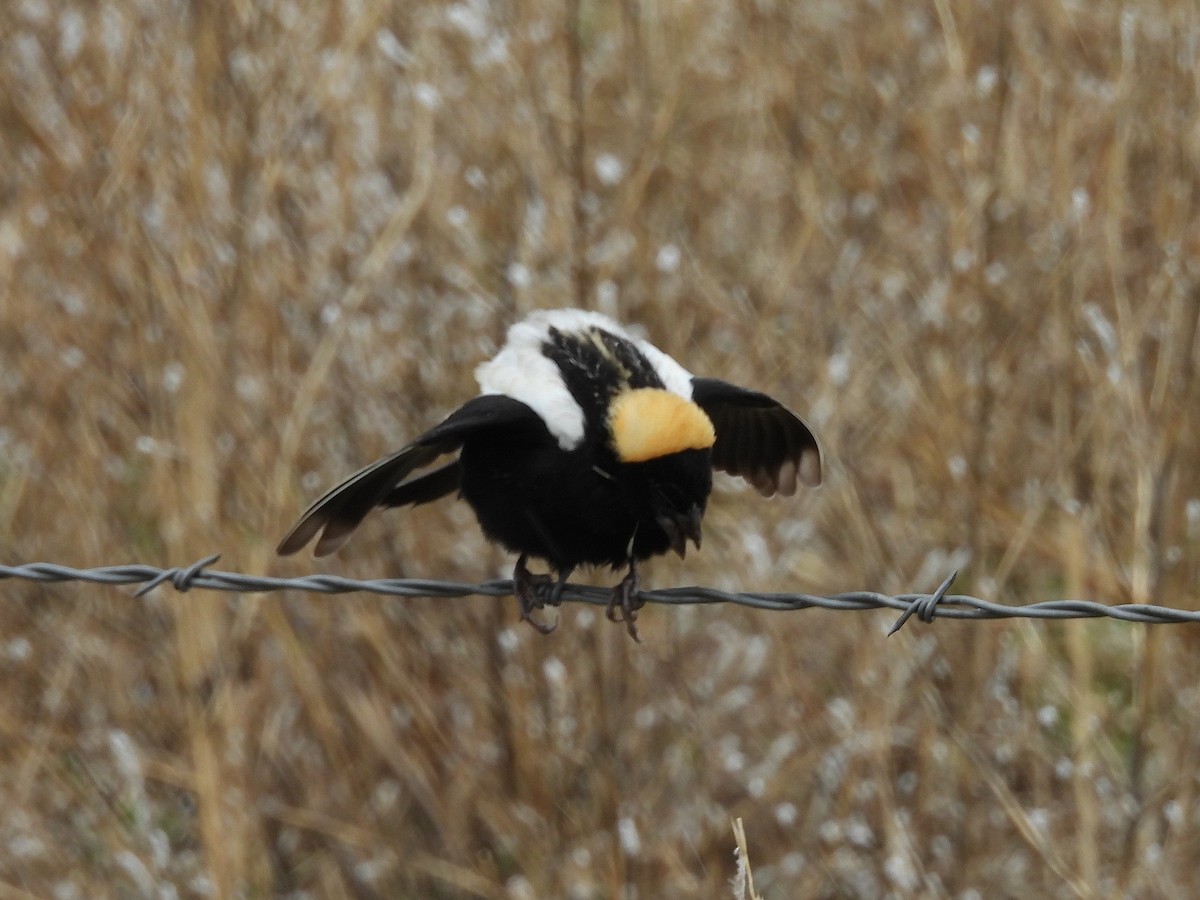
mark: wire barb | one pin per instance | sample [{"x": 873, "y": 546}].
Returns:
[
  {"x": 927, "y": 607},
  {"x": 181, "y": 578}
]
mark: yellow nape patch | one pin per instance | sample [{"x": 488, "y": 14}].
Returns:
[{"x": 648, "y": 423}]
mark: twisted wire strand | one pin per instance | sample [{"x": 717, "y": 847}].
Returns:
[{"x": 927, "y": 607}]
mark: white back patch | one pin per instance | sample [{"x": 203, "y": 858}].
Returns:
[{"x": 521, "y": 371}]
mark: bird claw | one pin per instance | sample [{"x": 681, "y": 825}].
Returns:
[
  {"x": 627, "y": 597},
  {"x": 541, "y": 627},
  {"x": 536, "y": 592}
]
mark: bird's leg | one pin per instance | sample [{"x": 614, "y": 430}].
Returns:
[
  {"x": 555, "y": 597},
  {"x": 529, "y": 590},
  {"x": 627, "y": 596}
]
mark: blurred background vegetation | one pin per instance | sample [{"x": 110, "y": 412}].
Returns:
[{"x": 247, "y": 247}]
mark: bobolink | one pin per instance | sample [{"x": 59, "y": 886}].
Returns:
[{"x": 587, "y": 446}]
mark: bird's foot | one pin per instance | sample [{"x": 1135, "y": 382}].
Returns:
[
  {"x": 536, "y": 592},
  {"x": 627, "y": 598}
]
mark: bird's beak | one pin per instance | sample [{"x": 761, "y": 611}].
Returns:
[{"x": 681, "y": 528}]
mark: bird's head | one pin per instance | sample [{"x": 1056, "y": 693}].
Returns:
[{"x": 664, "y": 442}]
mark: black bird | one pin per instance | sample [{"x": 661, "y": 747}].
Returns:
[{"x": 587, "y": 446}]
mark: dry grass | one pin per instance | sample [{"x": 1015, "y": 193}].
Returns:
[{"x": 246, "y": 247}]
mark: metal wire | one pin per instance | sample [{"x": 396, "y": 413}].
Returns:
[{"x": 927, "y": 607}]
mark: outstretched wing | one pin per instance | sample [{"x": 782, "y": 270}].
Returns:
[
  {"x": 758, "y": 438},
  {"x": 335, "y": 515}
]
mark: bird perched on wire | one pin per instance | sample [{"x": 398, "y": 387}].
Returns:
[{"x": 587, "y": 446}]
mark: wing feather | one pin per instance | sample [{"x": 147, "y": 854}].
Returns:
[
  {"x": 427, "y": 488},
  {"x": 337, "y": 513},
  {"x": 758, "y": 438}
]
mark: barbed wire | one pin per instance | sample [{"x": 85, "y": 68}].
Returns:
[{"x": 927, "y": 607}]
